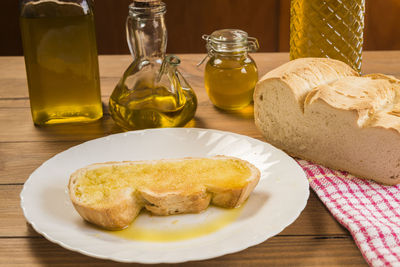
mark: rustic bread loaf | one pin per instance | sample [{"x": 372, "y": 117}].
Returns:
[
  {"x": 112, "y": 194},
  {"x": 321, "y": 110}
]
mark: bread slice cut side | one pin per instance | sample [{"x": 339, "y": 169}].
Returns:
[{"x": 112, "y": 194}]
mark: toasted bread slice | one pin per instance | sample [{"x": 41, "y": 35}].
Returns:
[{"x": 112, "y": 194}]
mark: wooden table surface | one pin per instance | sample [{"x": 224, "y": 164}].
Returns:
[{"x": 315, "y": 238}]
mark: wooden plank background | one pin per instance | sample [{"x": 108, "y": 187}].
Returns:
[{"x": 187, "y": 20}]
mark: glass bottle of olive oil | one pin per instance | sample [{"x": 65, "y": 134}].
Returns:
[
  {"x": 331, "y": 29},
  {"x": 151, "y": 93},
  {"x": 61, "y": 61}
]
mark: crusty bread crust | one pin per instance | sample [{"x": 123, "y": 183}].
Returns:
[
  {"x": 120, "y": 213},
  {"x": 321, "y": 110}
]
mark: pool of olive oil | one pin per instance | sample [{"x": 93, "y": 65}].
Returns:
[
  {"x": 178, "y": 232},
  {"x": 327, "y": 29},
  {"x": 230, "y": 82},
  {"x": 151, "y": 107},
  {"x": 62, "y": 68}
]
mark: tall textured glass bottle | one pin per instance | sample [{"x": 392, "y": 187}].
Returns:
[
  {"x": 61, "y": 60},
  {"x": 330, "y": 28}
]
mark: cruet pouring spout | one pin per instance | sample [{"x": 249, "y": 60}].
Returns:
[{"x": 169, "y": 73}]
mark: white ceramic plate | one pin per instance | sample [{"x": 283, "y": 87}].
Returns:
[{"x": 276, "y": 202}]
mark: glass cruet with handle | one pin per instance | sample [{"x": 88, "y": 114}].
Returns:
[{"x": 151, "y": 93}]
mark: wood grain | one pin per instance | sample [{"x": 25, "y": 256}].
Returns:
[
  {"x": 19, "y": 159},
  {"x": 284, "y": 25},
  {"x": 187, "y": 20},
  {"x": 314, "y": 239},
  {"x": 381, "y": 30},
  {"x": 278, "y": 251},
  {"x": 20, "y": 128},
  {"x": 11, "y": 43}
]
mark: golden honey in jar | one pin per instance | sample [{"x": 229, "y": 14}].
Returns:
[
  {"x": 230, "y": 73},
  {"x": 61, "y": 61}
]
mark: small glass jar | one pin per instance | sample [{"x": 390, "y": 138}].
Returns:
[{"x": 230, "y": 73}]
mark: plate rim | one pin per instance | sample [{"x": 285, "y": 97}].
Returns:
[{"x": 155, "y": 261}]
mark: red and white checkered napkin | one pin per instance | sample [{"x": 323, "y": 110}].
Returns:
[{"x": 370, "y": 211}]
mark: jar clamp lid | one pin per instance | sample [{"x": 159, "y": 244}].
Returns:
[{"x": 229, "y": 40}]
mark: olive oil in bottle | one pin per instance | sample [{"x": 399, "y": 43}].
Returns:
[
  {"x": 331, "y": 29},
  {"x": 152, "y": 107},
  {"x": 152, "y": 93},
  {"x": 61, "y": 62}
]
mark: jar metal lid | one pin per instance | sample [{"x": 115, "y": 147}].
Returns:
[{"x": 230, "y": 40}]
